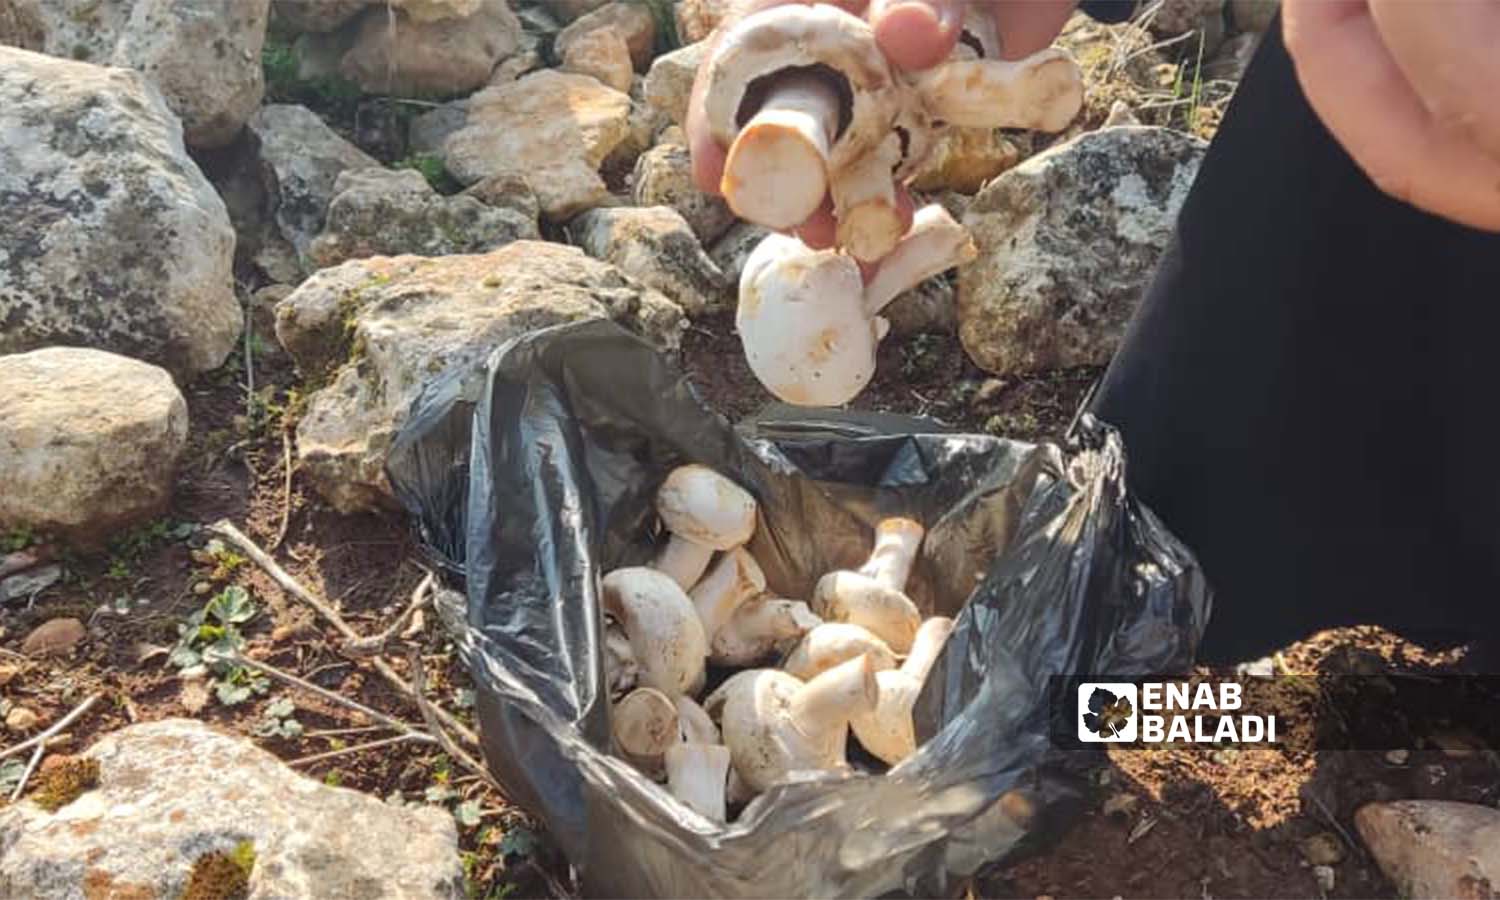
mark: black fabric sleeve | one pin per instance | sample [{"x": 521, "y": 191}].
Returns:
[{"x": 1110, "y": 12}]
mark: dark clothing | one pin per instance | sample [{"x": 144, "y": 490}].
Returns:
[{"x": 1306, "y": 393}]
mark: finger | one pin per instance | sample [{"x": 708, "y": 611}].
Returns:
[
  {"x": 916, "y": 34},
  {"x": 1354, "y": 85},
  {"x": 1027, "y": 26},
  {"x": 708, "y": 156},
  {"x": 1449, "y": 51},
  {"x": 820, "y": 231}
]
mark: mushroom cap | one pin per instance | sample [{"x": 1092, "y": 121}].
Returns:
[
  {"x": 756, "y": 708},
  {"x": 802, "y": 323},
  {"x": 699, "y": 504},
  {"x": 831, "y": 643},
  {"x": 801, "y": 36},
  {"x": 645, "y": 725},
  {"x": 665, "y": 634},
  {"x": 851, "y": 597},
  {"x": 888, "y": 732}
]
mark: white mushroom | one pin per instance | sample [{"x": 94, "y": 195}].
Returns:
[
  {"x": 644, "y": 724},
  {"x": 620, "y": 669},
  {"x": 698, "y": 764},
  {"x": 832, "y": 643},
  {"x": 808, "y": 323},
  {"x": 873, "y": 597},
  {"x": 888, "y": 731},
  {"x": 775, "y": 724},
  {"x": 742, "y": 624},
  {"x": 734, "y": 579},
  {"x": 1043, "y": 92},
  {"x": 666, "y": 637},
  {"x": 864, "y": 203},
  {"x": 704, "y": 511}
]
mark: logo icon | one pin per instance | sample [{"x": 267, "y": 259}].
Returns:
[{"x": 1107, "y": 712}]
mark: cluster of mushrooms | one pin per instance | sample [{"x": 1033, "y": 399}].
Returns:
[
  {"x": 811, "y": 109},
  {"x": 852, "y": 659}
]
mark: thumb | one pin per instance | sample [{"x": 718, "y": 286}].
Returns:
[{"x": 916, "y": 34}]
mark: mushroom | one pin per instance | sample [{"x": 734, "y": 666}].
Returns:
[
  {"x": 620, "y": 669},
  {"x": 704, "y": 511},
  {"x": 872, "y": 596},
  {"x": 645, "y": 726},
  {"x": 888, "y": 731},
  {"x": 808, "y": 322},
  {"x": 666, "y": 638},
  {"x": 832, "y": 643},
  {"x": 796, "y": 92},
  {"x": 698, "y": 764},
  {"x": 775, "y": 724},
  {"x": 742, "y": 624}
]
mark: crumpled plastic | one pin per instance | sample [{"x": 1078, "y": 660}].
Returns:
[{"x": 533, "y": 477}]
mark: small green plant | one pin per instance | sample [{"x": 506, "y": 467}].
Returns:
[
  {"x": 279, "y": 720},
  {"x": 284, "y": 84},
  {"x": 211, "y": 637},
  {"x": 18, "y": 538},
  {"x": 433, "y": 169}
]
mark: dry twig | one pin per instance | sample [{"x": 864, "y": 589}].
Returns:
[
  {"x": 375, "y": 643},
  {"x": 286, "y": 489},
  {"x": 345, "y": 751},
  {"x": 40, "y": 740},
  {"x": 429, "y": 714},
  {"x": 330, "y": 696}
]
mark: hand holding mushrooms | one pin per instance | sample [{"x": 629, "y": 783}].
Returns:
[{"x": 851, "y": 661}]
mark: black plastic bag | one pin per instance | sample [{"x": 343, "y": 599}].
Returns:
[{"x": 533, "y": 479}]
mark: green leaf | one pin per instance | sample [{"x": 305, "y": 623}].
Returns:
[
  {"x": 183, "y": 656},
  {"x": 291, "y": 729},
  {"x": 463, "y": 698},
  {"x": 232, "y": 606},
  {"x": 440, "y": 794},
  {"x": 231, "y": 694},
  {"x": 467, "y": 813},
  {"x": 10, "y": 774},
  {"x": 281, "y": 707},
  {"x": 518, "y": 841}
]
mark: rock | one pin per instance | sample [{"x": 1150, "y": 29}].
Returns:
[
  {"x": 307, "y": 157},
  {"x": 696, "y": 19},
  {"x": 1434, "y": 848},
  {"x": 507, "y": 192},
  {"x": 21, "y": 720},
  {"x": 438, "y": 58},
  {"x": 1233, "y": 58},
  {"x": 1325, "y": 877},
  {"x": 664, "y": 177},
  {"x": 732, "y": 251},
  {"x": 1253, "y": 15},
  {"x": 986, "y": 394},
  {"x": 8, "y": 673},
  {"x": 248, "y": 190},
  {"x": 27, "y": 585},
  {"x": 83, "y": 30},
  {"x": 111, "y": 236},
  {"x": 54, "y": 637},
  {"x": 1178, "y": 17},
  {"x": 1066, "y": 243},
  {"x": 438, "y": 10},
  {"x": 1119, "y": 62},
  {"x": 1397, "y": 757},
  {"x": 669, "y": 83},
  {"x": 965, "y": 158},
  {"x": 89, "y": 441},
  {"x": 21, "y": 24},
  {"x": 382, "y": 328},
  {"x": 631, "y": 22},
  {"x": 1121, "y": 116},
  {"x": 204, "y": 55},
  {"x": 568, "y": 10},
  {"x": 263, "y": 317},
  {"x": 170, "y": 793},
  {"x": 656, "y": 247},
  {"x": 377, "y": 212},
  {"x": 317, "y": 16},
  {"x": 928, "y": 308},
  {"x": 554, "y": 129},
  {"x": 1263, "y": 669},
  {"x": 429, "y": 130},
  {"x": 1322, "y": 849},
  {"x": 600, "y": 54},
  {"x": 513, "y": 67}
]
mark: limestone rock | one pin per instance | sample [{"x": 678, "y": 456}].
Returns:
[
  {"x": 732, "y": 251},
  {"x": 376, "y": 212},
  {"x": 382, "y": 328},
  {"x": 437, "y": 58},
  {"x": 631, "y": 22},
  {"x": 656, "y": 247},
  {"x": 83, "y": 30},
  {"x": 111, "y": 237},
  {"x": 1434, "y": 848},
  {"x": 507, "y": 192},
  {"x": 21, "y": 24},
  {"x": 1253, "y": 15},
  {"x": 669, "y": 83},
  {"x": 928, "y": 308},
  {"x": 20, "y": 720},
  {"x": 664, "y": 177},
  {"x": 89, "y": 441},
  {"x": 174, "y": 791},
  {"x": 554, "y": 129},
  {"x": 696, "y": 19},
  {"x": 1067, "y": 241},
  {"x": 431, "y": 129},
  {"x": 568, "y": 10},
  {"x": 307, "y": 157},
  {"x": 600, "y": 54},
  {"x": 438, "y": 10},
  {"x": 965, "y": 158},
  {"x": 316, "y": 16}
]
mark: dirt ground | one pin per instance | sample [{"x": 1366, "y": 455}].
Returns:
[{"x": 1194, "y": 822}]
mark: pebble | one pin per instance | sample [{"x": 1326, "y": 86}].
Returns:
[
  {"x": 21, "y": 719},
  {"x": 1325, "y": 878},
  {"x": 1397, "y": 757},
  {"x": 989, "y": 391},
  {"x": 8, "y": 674},
  {"x": 1323, "y": 849},
  {"x": 55, "y": 636},
  {"x": 1263, "y": 669}
]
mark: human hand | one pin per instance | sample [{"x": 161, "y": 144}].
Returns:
[
  {"x": 1409, "y": 90},
  {"x": 914, "y": 35}
]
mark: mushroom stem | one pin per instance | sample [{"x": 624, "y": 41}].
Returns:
[
  {"x": 926, "y": 647},
  {"x": 888, "y": 731},
  {"x": 864, "y": 202},
  {"x": 645, "y": 726},
  {"x": 732, "y": 581},
  {"x": 776, "y": 174},
  {"x": 683, "y": 560},
  {"x": 935, "y": 244},
  {"x": 896, "y": 543},
  {"x": 832, "y": 643},
  {"x": 821, "y": 710},
  {"x": 697, "y": 775},
  {"x": 758, "y": 627},
  {"x": 1042, "y": 92}
]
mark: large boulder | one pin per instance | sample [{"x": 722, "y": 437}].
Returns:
[
  {"x": 656, "y": 247},
  {"x": 1067, "y": 241},
  {"x": 306, "y": 157},
  {"x": 89, "y": 442},
  {"x": 21, "y": 24},
  {"x": 317, "y": 16},
  {"x": 631, "y": 22},
  {"x": 377, "y": 212},
  {"x": 600, "y": 54},
  {"x": 553, "y": 129},
  {"x": 664, "y": 177},
  {"x": 378, "y": 330},
  {"x": 84, "y": 30},
  {"x": 110, "y": 236},
  {"x": 432, "y": 58},
  {"x": 173, "y": 793}
]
